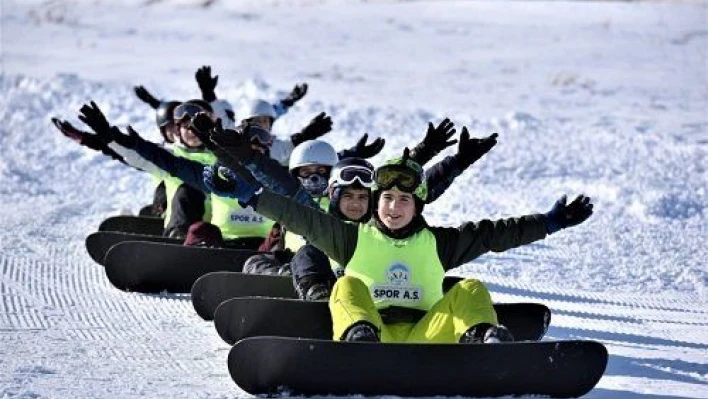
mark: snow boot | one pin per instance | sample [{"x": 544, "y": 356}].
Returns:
[
  {"x": 318, "y": 292},
  {"x": 312, "y": 288},
  {"x": 362, "y": 331},
  {"x": 486, "y": 333}
]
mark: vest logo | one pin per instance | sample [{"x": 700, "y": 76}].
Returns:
[
  {"x": 398, "y": 289},
  {"x": 398, "y": 274},
  {"x": 246, "y": 218}
]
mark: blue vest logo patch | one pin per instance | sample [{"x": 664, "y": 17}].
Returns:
[{"x": 398, "y": 274}]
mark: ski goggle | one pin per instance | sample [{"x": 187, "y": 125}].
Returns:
[
  {"x": 264, "y": 122},
  {"x": 257, "y": 135},
  {"x": 403, "y": 177},
  {"x": 187, "y": 110},
  {"x": 350, "y": 174}
]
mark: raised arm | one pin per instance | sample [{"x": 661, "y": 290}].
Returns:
[
  {"x": 88, "y": 140},
  {"x": 458, "y": 246},
  {"x": 206, "y": 83},
  {"x": 436, "y": 139},
  {"x": 295, "y": 95},
  {"x": 233, "y": 150},
  {"x": 363, "y": 150},
  {"x": 132, "y": 144},
  {"x": 328, "y": 233},
  {"x": 441, "y": 175}
]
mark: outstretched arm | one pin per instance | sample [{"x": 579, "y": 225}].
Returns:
[
  {"x": 457, "y": 246},
  {"x": 136, "y": 150},
  {"x": 232, "y": 150},
  {"x": 88, "y": 140},
  {"x": 441, "y": 175},
  {"x": 187, "y": 170},
  {"x": 146, "y": 97},
  {"x": 461, "y": 245},
  {"x": 328, "y": 233},
  {"x": 297, "y": 93}
]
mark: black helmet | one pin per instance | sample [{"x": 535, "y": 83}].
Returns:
[
  {"x": 164, "y": 113},
  {"x": 349, "y": 172}
]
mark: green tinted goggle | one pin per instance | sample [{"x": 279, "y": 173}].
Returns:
[{"x": 400, "y": 176}]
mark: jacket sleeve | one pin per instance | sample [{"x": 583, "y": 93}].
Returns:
[
  {"x": 184, "y": 169},
  {"x": 457, "y": 246},
  {"x": 278, "y": 179},
  {"x": 280, "y": 109},
  {"x": 439, "y": 178},
  {"x": 132, "y": 158},
  {"x": 330, "y": 234}
]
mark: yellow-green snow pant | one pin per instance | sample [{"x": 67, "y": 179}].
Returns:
[{"x": 466, "y": 304}]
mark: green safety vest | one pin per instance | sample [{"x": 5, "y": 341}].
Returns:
[
  {"x": 235, "y": 221},
  {"x": 172, "y": 183},
  {"x": 406, "y": 273}
]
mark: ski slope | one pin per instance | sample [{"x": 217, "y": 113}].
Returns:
[{"x": 609, "y": 99}]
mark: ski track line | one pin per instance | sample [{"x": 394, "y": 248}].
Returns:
[
  {"x": 82, "y": 305},
  {"x": 564, "y": 327},
  {"x": 638, "y": 300},
  {"x": 619, "y": 312},
  {"x": 629, "y": 387},
  {"x": 669, "y": 326}
]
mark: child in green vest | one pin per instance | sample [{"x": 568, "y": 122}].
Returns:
[{"x": 394, "y": 266}]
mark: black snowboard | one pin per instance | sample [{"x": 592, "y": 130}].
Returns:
[
  {"x": 98, "y": 243},
  {"x": 240, "y": 318},
  {"x": 154, "y": 267},
  {"x": 211, "y": 289},
  {"x": 150, "y": 225},
  {"x": 295, "y": 366}
]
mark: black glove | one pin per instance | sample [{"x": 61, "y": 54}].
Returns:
[
  {"x": 68, "y": 130},
  {"x": 92, "y": 116},
  {"x": 225, "y": 182},
  {"x": 206, "y": 83},
  {"x": 362, "y": 150},
  {"x": 221, "y": 181},
  {"x": 235, "y": 143},
  {"x": 471, "y": 149},
  {"x": 295, "y": 95},
  {"x": 317, "y": 127},
  {"x": 562, "y": 215},
  {"x": 231, "y": 147},
  {"x": 436, "y": 139},
  {"x": 86, "y": 139},
  {"x": 147, "y": 98},
  {"x": 129, "y": 140},
  {"x": 202, "y": 125}
]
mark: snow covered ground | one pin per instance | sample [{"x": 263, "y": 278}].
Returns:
[{"x": 609, "y": 99}]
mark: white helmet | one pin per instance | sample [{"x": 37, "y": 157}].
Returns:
[
  {"x": 257, "y": 108},
  {"x": 224, "y": 111},
  {"x": 313, "y": 152}
]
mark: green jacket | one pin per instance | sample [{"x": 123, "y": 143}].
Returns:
[{"x": 455, "y": 245}]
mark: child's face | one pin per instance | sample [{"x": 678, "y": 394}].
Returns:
[
  {"x": 354, "y": 202},
  {"x": 188, "y": 137},
  {"x": 396, "y": 208}
]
